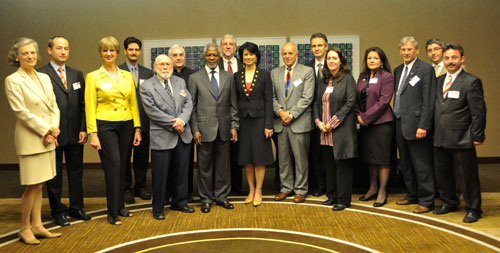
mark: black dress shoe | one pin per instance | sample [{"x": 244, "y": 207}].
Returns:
[
  {"x": 472, "y": 216},
  {"x": 159, "y": 216},
  {"x": 226, "y": 204},
  {"x": 372, "y": 197},
  {"x": 128, "y": 197},
  {"x": 143, "y": 194},
  {"x": 378, "y": 204},
  {"x": 80, "y": 215},
  {"x": 318, "y": 193},
  {"x": 205, "y": 207},
  {"x": 444, "y": 209},
  {"x": 61, "y": 220},
  {"x": 184, "y": 209},
  {"x": 329, "y": 202},
  {"x": 340, "y": 207}
]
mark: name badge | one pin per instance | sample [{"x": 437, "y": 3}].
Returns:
[
  {"x": 106, "y": 86},
  {"x": 454, "y": 94},
  {"x": 183, "y": 93},
  {"x": 414, "y": 80},
  {"x": 76, "y": 86},
  {"x": 297, "y": 82},
  {"x": 329, "y": 90},
  {"x": 373, "y": 80},
  {"x": 141, "y": 81}
]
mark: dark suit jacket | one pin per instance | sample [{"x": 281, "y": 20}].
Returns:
[
  {"x": 221, "y": 64},
  {"x": 259, "y": 102},
  {"x": 459, "y": 122},
  {"x": 184, "y": 73},
  {"x": 144, "y": 74},
  {"x": 342, "y": 100},
  {"x": 211, "y": 116},
  {"x": 71, "y": 103},
  {"x": 417, "y": 100},
  {"x": 378, "y": 100}
]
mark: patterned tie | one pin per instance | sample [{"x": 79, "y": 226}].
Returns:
[
  {"x": 229, "y": 68},
  {"x": 134, "y": 76},
  {"x": 215, "y": 85},
  {"x": 320, "y": 73},
  {"x": 287, "y": 81},
  {"x": 169, "y": 92},
  {"x": 63, "y": 79},
  {"x": 397, "y": 109},
  {"x": 447, "y": 86}
]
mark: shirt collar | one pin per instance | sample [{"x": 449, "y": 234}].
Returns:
[
  {"x": 130, "y": 66},
  {"x": 209, "y": 70},
  {"x": 454, "y": 75},
  {"x": 410, "y": 65},
  {"x": 56, "y": 67}
]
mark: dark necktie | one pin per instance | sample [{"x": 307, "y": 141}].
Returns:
[
  {"x": 287, "y": 81},
  {"x": 215, "y": 85},
  {"x": 169, "y": 92},
  {"x": 397, "y": 100},
  {"x": 319, "y": 75}
]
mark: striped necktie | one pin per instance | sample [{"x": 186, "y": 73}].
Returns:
[
  {"x": 63, "y": 79},
  {"x": 447, "y": 86}
]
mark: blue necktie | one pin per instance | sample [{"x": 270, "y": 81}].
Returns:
[
  {"x": 169, "y": 92},
  {"x": 397, "y": 109},
  {"x": 215, "y": 85}
]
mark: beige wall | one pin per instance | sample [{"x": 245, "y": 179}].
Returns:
[{"x": 474, "y": 24}]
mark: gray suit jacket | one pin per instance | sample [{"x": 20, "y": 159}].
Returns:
[
  {"x": 299, "y": 100},
  {"x": 210, "y": 115},
  {"x": 160, "y": 110}
]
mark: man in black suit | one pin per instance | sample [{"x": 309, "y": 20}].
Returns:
[
  {"x": 415, "y": 91},
  {"x": 317, "y": 174},
  {"x": 141, "y": 153},
  {"x": 69, "y": 87},
  {"x": 230, "y": 64},
  {"x": 460, "y": 121},
  {"x": 178, "y": 56}
]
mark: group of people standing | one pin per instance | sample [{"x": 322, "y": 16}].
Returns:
[{"x": 312, "y": 112}]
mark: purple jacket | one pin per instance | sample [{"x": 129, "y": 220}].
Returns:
[{"x": 378, "y": 108}]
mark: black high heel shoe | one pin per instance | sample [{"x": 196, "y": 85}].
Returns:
[
  {"x": 114, "y": 220},
  {"x": 363, "y": 198},
  {"x": 377, "y": 204}
]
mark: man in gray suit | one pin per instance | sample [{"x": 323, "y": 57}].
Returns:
[
  {"x": 214, "y": 122},
  {"x": 168, "y": 105},
  {"x": 293, "y": 87}
]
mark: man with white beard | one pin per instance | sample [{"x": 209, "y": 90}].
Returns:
[{"x": 168, "y": 105}]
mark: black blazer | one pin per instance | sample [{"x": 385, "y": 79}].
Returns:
[
  {"x": 417, "y": 100},
  {"x": 342, "y": 101},
  {"x": 144, "y": 73},
  {"x": 221, "y": 64},
  {"x": 461, "y": 121},
  {"x": 259, "y": 103},
  {"x": 71, "y": 103}
]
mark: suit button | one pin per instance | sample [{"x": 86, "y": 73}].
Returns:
[
  {"x": 124, "y": 109},
  {"x": 116, "y": 109},
  {"x": 114, "y": 99}
]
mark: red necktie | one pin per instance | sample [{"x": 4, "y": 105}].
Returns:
[
  {"x": 229, "y": 68},
  {"x": 447, "y": 86},
  {"x": 287, "y": 81}
]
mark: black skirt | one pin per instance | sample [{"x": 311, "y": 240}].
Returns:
[
  {"x": 253, "y": 147},
  {"x": 375, "y": 143}
]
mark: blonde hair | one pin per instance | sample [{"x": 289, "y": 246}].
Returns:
[{"x": 109, "y": 42}]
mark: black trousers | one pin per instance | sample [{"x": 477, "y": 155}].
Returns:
[
  {"x": 171, "y": 177},
  {"x": 338, "y": 176},
  {"x": 116, "y": 138},
  {"x": 74, "y": 170},
  {"x": 417, "y": 167},
  {"x": 465, "y": 162},
  {"x": 317, "y": 174},
  {"x": 141, "y": 163},
  {"x": 170, "y": 167}
]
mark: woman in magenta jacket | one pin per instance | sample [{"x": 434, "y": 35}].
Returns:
[{"x": 374, "y": 115}]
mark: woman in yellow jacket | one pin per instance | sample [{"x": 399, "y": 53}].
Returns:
[{"x": 112, "y": 114}]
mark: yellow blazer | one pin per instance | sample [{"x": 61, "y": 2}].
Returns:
[
  {"x": 35, "y": 108},
  {"x": 108, "y": 100}
]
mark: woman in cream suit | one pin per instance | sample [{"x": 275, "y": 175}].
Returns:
[
  {"x": 32, "y": 99},
  {"x": 112, "y": 114}
]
